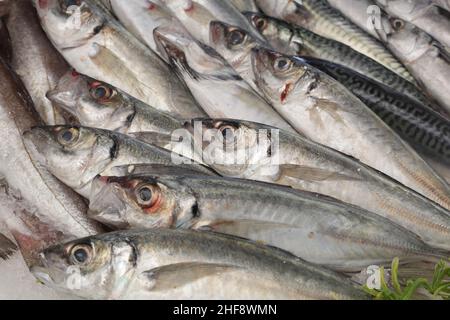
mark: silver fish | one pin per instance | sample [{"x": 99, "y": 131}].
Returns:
[
  {"x": 315, "y": 228},
  {"x": 267, "y": 154},
  {"x": 427, "y": 60},
  {"x": 76, "y": 155},
  {"x": 183, "y": 264},
  {"x": 319, "y": 17},
  {"x": 196, "y": 16},
  {"x": 245, "y": 5},
  {"x": 34, "y": 59},
  {"x": 96, "y": 45},
  {"x": 326, "y": 112},
  {"x": 141, "y": 18},
  {"x": 99, "y": 105},
  {"x": 423, "y": 14},
  {"x": 53, "y": 202},
  {"x": 218, "y": 89}
]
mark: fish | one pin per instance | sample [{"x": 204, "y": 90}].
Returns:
[
  {"x": 295, "y": 40},
  {"x": 427, "y": 60},
  {"x": 76, "y": 155},
  {"x": 245, "y": 5},
  {"x": 215, "y": 85},
  {"x": 183, "y": 264},
  {"x": 196, "y": 16},
  {"x": 141, "y": 18},
  {"x": 359, "y": 12},
  {"x": 100, "y": 105},
  {"x": 235, "y": 45},
  {"x": 315, "y": 228},
  {"x": 319, "y": 17},
  {"x": 96, "y": 45},
  {"x": 7, "y": 247},
  {"x": 53, "y": 202},
  {"x": 323, "y": 110},
  {"x": 425, "y": 130},
  {"x": 34, "y": 59},
  {"x": 444, "y": 4},
  {"x": 267, "y": 154},
  {"x": 423, "y": 14}
]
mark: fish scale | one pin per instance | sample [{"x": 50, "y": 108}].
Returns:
[{"x": 426, "y": 130}]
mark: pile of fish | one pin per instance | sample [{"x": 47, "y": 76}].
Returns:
[{"x": 212, "y": 149}]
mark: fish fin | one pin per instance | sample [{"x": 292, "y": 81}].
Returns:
[
  {"x": 329, "y": 107},
  {"x": 7, "y": 247},
  {"x": 443, "y": 52},
  {"x": 179, "y": 274},
  {"x": 109, "y": 62},
  {"x": 312, "y": 174},
  {"x": 155, "y": 138}
]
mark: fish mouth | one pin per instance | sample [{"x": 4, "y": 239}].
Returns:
[
  {"x": 167, "y": 47},
  {"x": 260, "y": 60},
  {"x": 35, "y": 140}
]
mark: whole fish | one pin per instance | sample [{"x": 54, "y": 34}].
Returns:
[
  {"x": 315, "y": 228},
  {"x": 427, "y": 60},
  {"x": 141, "y": 18},
  {"x": 215, "y": 85},
  {"x": 319, "y": 17},
  {"x": 53, "y": 202},
  {"x": 423, "y": 14},
  {"x": 196, "y": 16},
  {"x": 245, "y": 5},
  {"x": 99, "y": 105},
  {"x": 268, "y": 154},
  {"x": 426, "y": 131},
  {"x": 34, "y": 59},
  {"x": 295, "y": 40},
  {"x": 76, "y": 155},
  {"x": 183, "y": 264},
  {"x": 96, "y": 45},
  {"x": 326, "y": 112}
]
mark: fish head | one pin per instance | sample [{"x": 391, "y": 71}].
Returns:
[
  {"x": 278, "y": 33},
  {"x": 406, "y": 40},
  {"x": 189, "y": 58},
  {"x": 233, "y": 44},
  {"x": 232, "y": 148},
  {"x": 75, "y": 155},
  {"x": 93, "y": 103},
  {"x": 89, "y": 268},
  {"x": 278, "y": 75},
  {"x": 69, "y": 23},
  {"x": 138, "y": 201}
]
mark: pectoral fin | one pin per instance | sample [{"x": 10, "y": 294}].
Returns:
[
  {"x": 7, "y": 247},
  {"x": 180, "y": 274}
]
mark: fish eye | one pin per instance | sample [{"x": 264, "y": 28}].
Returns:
[
  {"x": 147, "y": 196},
  {"x": 236, "y": 37},
  {"x": 260, "y": 23},
  {"x": 398, "y": 24},
  {"x": 81, "y": 254},
  {"x": 228, "y": 133},
  {"x": 282, "y": 64},
  {"x": 68, "y": 136},
  {"x": 101, "y": 92}
]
